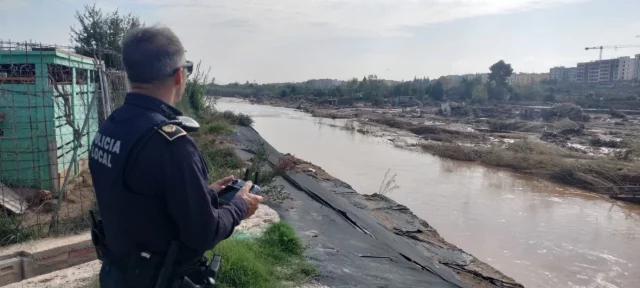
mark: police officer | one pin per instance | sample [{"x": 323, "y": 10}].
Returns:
[{"x": 149, "y": 177}]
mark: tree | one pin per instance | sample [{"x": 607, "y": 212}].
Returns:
[
  {"x": 479, "y": 94},
  {"x": 437, "y": 91},
  {"x": 293, "y": 90},
  {"x": 363, "y": 84},
  {"x": 196, "y": 90},
  {"x": 352, "y": 85},
  {"x": 336, "y": 91},
  {"x": 498, "y": 88},
  {"x": 100, "y": 34},
  {"x": 468, "y": 86},
  {"x": 320, "y": 93},
  {"x": 283, "y": 93},
  {"x": 549, "y": 98},
  {"x": 500, "y": 72}
]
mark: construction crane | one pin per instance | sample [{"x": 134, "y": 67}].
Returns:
[{"x": 611, "y": 47}]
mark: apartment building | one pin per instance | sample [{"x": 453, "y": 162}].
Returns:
[
  {"x": 555, "y": 73},
  {"x": 602, "y": 72},
  {"x": 637, "y": 67},
  {"x": 581, "y": 74},
  {"x": 523, "y": 79},
  {"x": 627, "y": 69},
  {"x": 563, "y": 74}
]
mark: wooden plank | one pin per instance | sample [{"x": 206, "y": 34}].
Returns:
[{"x": 10, "y": 200}]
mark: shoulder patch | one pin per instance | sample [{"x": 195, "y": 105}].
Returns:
[{"x": 171, "y": 131}]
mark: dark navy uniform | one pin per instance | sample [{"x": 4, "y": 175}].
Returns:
[{"x": 151, "y": 185}]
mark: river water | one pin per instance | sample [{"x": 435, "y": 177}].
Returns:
[{"x": 540, "y": 233}]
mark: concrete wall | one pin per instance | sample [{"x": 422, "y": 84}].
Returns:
[{"x": 21, "y": 265}]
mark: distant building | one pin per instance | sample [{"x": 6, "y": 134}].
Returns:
[
  {"x": 324, "y": 83},
  {"x": 452, "y": 80},
  {"x": 627, "y": 69},
  {"x": 610, "y": 71},
  {"x": 570, "y": 74},
  {"x": 555, "y": 73},
  {"x": 563, "y": 74},
  {"x": 581, "y": 74},
  {"x": 455, "y": 80},
  {"x": 483, "y": 76},
  {"x": 637, "y": 67},
  {"x": 522, "y": 79}
]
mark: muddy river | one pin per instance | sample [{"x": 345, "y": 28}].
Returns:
[{"x": 540, "y": 233}]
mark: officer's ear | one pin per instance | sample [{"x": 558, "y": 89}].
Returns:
[{"x": 179, "y": 77}]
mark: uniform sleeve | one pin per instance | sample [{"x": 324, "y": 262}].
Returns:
[{"x": 188, "y": 197}]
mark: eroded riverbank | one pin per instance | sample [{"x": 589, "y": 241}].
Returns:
[
  {"x": 359, "y": 240},
  {"x": 540, "y": 233}
]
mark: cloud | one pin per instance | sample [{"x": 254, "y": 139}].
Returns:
[
  {"x": 6, "y": 5},
  {"x": 301, "y": 39},
  {"x": 368, "y": 18},
  {"x": 106, "y": 7}
]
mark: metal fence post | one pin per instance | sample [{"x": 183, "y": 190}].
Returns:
[{"x": 56, "y": 209}]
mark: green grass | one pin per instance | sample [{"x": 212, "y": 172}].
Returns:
[
  {"x": 218, "y": 128},
  {"x": 222, "y": 161},
  {"x": 273, "y": 260},
  {"x": 11, "y": 230}
]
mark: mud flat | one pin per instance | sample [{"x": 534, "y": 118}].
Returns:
[{"x": 598, "y": 152}]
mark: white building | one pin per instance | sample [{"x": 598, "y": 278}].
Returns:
[
  {"x": 627, "y": 69},
  {"x": 637, "y": 67},
  {"x": 607, "y": 72}
]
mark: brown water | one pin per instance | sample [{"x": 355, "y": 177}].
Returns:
[{"x": 540, "y": 233}]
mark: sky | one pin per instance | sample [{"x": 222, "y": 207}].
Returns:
[{"x": 295, "y": 40}]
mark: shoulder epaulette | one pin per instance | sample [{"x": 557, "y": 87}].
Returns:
[{"x": 171, "y": 131}]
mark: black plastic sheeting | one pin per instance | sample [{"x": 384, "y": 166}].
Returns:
[{"x": 350, "y": 248}]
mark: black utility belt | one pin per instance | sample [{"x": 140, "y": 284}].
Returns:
[
  {"x": 154, "y": 270},
  {"x": 144, "y": 269}
]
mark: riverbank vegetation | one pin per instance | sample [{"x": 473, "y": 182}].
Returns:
[
  {"x": 500, "y": 85},
  {"x": 273, "y": 260},
  {"x": 547, "y": 161}
]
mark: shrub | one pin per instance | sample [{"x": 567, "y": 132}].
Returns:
[
  {"x": 237, "y": 119},
  {"x": 286, "y": 163},
  {"x": 617, "y": 114},
  {"x": 218, "y": 128},
  {"x": 568, "y": 110},
  {"x": 599, "y": 142},
  {"x": 272, "y": 261},
  {"x": 283, "y": 239},
  {"x": 11, "y": 231}
]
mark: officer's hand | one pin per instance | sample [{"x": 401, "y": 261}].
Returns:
[
  {"x": 253, "y": 201},
  {"x": 220, "y": 184}
]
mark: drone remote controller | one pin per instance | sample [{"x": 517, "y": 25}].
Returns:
[{"x": 229, "y": 192}]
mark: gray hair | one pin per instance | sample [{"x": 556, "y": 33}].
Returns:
[{"x": 150, "y": 54}]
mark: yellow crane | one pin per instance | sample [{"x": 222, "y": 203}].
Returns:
[{"x": 611, "y": 47}]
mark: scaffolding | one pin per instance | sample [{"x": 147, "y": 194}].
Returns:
[{"x": 52, "y": 101}]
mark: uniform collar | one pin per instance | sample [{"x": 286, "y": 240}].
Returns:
[{"x": 152, "y": 103}]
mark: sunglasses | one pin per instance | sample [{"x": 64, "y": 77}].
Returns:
[{"x": 188, "y": 66}]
